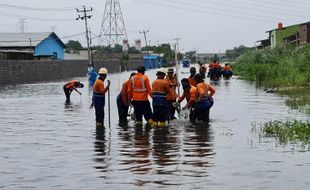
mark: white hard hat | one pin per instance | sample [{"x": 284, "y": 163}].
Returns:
[
  {"x": 103, "y": 71},
  {"x": 162, "y": 70}
]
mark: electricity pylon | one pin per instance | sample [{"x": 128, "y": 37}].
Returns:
[{"x": 113, "y": 30}]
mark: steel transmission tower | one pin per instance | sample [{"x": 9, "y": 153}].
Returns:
[{"x": 113, "y": 29}]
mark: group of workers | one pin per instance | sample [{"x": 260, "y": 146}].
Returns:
[
  {"x": 137, "y": 89},
  {"x": 216, "y": 71}
]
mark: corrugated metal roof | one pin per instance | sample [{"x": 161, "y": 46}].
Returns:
[{"x": 23, "y": 39}]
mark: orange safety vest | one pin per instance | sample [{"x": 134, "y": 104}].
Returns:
[{"x": 139, "y": 88}]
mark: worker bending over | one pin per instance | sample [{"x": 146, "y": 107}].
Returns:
[
  {"x": 190, "y": 93},
  {"x": 99, "y": 91},
  {"x": 139, "y": 89},
  {"x": 205, "y": 100},
  {"x": 70, "y": 86},
  {"x": 122, "y": 101},
  {"x": 160, "y": 90}
]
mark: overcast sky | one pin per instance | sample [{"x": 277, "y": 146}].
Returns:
[{"x": 203, "y": 25}]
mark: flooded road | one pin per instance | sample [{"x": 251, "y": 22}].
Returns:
[{"x": 47, "y": 144}]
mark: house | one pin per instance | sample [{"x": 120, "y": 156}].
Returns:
[
  {"x": 41, "y": 44},
  {"x": 304, "y": 33},
  {"x": 294, "y": 34},
  {"x": 263, "y": 43}
]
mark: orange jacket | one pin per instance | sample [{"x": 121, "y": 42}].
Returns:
[
  {"x": 227, "y": 68},
  {"x": 172, "y": 96},
  {"x": 203, "y": 90},
  {"x": 124, "y": 94},
  {"x": 192, "y": 81},
  {"x": 99, "y": 87},
  {"x": 190, "y": 96},
  {"x": 71, "y": 84},
  {"x": 139, "y": 88},
  {"x": 161, "y": 86}
]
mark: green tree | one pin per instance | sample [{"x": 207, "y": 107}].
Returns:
[
  {"x": 234, "y": 53},
  {"x": 74, "y": 45}
]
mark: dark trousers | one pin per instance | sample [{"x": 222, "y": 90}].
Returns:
[
  {"x": 160, "y": 113},
  {"x": 122, "y": 109},
  {"x": 142, "y": 108},
  {"x": 200, "y": 115},
  {"x": 67, "y": 92},
  {"x": 99, "y": 111},
  {"x": 201, "y": 111},
  {"x": 171, "y": 110}
]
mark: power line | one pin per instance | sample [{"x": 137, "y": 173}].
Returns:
[
  {"x": 259, "y": 8},
  {"x": 238, "y": 12},
  {"x": 38, "y": 40},
  {"x": 209, "y": 12},
  {"x": 35, "y": 8},
  {"x": 32, "y": 18}
]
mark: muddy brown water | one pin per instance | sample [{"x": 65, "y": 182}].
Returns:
[{"x": 47, "y": 144}]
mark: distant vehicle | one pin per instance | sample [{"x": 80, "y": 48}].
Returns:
[{"x": 186, "y": 62}]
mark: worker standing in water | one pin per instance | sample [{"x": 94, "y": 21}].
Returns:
[
  {"x": 205, "y": 100},
  {"x": 70, "y": 86},
  {"x": 139, "y": 89},
  {"x": 160, "y": 90},
  {"x": 190, "y": 93},
  {"x": 227, "y": 71},
  {"x": 172, "y": 96},
  {"x": 99, "y": 91},
  {"x": 202, "y": 70},
  {"x": 191, "y": 77},
  {"x": 122, "y": 101}
]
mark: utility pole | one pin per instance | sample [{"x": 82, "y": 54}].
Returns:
[
  {"x": 84, "y": 17},
  {"x": 176, "y": 47},
  {"x": 148, "y": 54},
  {"x": 30, "y": 45},
  {"x": 144, "y": 33}
]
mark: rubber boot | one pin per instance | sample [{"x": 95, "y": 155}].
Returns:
[
  {"x": 150, "y": 121},
  {"x": 155, "y": 124},
  {"x": 99, "y": 125},
  {"x": 162, "y": 124}
]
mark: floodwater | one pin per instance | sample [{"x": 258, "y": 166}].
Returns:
[{"x": 47, "y": 144}]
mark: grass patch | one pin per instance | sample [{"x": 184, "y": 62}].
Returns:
[
  {"x": 286, "y": 68},
  {"x": 297, "y": 98},
  {"x": 287, "y": 132}
]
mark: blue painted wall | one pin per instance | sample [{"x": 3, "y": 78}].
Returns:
[
  {"x": 152, "y": 61},
  {"x": 49, "y": 47}
]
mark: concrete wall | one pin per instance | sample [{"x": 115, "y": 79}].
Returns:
[{"x": 19, "y": 72}]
